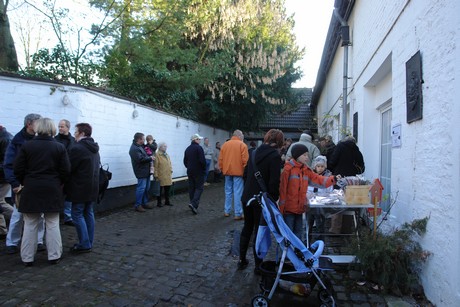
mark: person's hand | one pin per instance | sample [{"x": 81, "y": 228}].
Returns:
[
  {"x": 16, "y": 190},
  {"x": 153, "y": 158},
  {"x": 338, "y": 177}
]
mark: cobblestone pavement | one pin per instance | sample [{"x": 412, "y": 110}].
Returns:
[{"x": 164, "y": 257}]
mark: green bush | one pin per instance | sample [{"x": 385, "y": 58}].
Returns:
[{"x": 393, "y": 260}]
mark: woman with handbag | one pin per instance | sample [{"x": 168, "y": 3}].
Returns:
[
  {"x": 42, "y": 166},
  {"x": 268, "y": 160}
]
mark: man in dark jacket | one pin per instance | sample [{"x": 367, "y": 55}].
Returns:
[
  {"x": 346, "y": 160},
  {"x": 82, "y": 189},
  {"x": 140, "y": 161},
  {"x": 15, "y": 231},
  {"x": 64, "y": 137},
  {"x": 5, "y": 209},
  {"x": 195, "y": 163}
]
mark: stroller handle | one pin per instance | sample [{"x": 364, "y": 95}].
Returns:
[{"x": 319, "y": 246}]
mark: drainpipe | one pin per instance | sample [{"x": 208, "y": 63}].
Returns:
[{"x": 345, "y": 44}]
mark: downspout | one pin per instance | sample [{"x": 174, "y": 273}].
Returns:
[{"x": 345, "y": 44}]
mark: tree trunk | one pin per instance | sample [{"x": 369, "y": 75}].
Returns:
[{"x": 8, "y": 57}]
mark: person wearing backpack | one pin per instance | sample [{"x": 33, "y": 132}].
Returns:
[{"x": 82, "y": 189}]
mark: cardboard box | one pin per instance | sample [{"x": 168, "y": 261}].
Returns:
[{"x": 357, "y": 194}]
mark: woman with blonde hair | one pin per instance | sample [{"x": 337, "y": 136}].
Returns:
[
  {"x": 163, "y": 173},
  {"x": 42, "y": 166}
]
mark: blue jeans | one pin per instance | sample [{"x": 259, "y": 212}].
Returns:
[
  {"x": 142, "y": 191},
  {"x": 67, "y": 211},
  {"x": 208, "y": 165},
  {"x": 294, "y": 222},
  {"x": 195, "y": 188},
  {"x": 233, "y": 193},
  {"x": 83, "y": 218}
]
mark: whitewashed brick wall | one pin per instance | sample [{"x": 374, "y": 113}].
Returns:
[
  {"x": 426, "y": 168},
  {"x": 111, "y": 118}
]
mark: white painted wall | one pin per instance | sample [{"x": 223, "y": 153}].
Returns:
[
  {"x": 111, "y": 118},
  {"x": 425, "y": 169}
]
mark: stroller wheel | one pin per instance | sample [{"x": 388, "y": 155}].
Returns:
[
  {"x": 324, "y": 296},
  {"x": 259, "y": 301}
]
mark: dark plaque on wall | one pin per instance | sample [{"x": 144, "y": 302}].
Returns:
[{"x": 414, "y": 81}]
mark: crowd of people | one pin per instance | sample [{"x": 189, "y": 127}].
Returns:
[
  {"x": 52, "y": 175},
  {"x": 49, "y": 174}
]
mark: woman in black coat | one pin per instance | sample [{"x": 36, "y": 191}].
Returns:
[
  {"x": 268, "y": 161},
  {"x": 42, "y": 166}
]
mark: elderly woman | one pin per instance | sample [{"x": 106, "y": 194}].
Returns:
[
  {"x": 42, "y": 166},
  {"x": 163, "y": 173}
]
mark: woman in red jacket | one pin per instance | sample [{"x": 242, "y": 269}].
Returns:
[{"x": 293, "y": 187}]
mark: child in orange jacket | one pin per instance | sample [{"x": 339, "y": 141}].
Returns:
[{"x": 293, "y": 187}]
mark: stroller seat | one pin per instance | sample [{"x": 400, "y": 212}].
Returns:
[{"x": 306, "y": 264}]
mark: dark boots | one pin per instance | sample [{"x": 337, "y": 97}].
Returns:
[{"x": 159, "y": 204}]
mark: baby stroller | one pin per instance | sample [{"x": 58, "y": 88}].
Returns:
[{"x": 305, "y": 268}]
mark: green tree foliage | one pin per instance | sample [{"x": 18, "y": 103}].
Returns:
[
  {"x": 222, "y": 62},
  {"x": 62, "y": 65}
]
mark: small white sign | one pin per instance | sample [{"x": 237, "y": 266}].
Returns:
[{"x": 396, "y": 135}]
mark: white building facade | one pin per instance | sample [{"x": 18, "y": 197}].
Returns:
[{"x": 418, "y": 161}]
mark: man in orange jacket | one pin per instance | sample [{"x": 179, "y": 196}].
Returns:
[{"x": 232, "y": 161}]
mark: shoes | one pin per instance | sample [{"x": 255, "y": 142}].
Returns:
[
  {"x": 159, "y": 205},
  {"x": 226, "y": 214},
  {"x": 238, "y": 218},
  {"x": 54, "y": 261},
  {"x": 169, "y": 204},
  {"x": 77, "y": 250},
  {"x": 194, "y": 210},
  {"x": 41, "y": 247},
  {"x": 27, "y": 264},
  {"x": 69, "y": 223},
  {"x": 146, "y": 206},
  {"x": 242, "y": 264},
  {"x": 139, "y": 209},
  {"x": 12, "y": 249},
  {"x": 206, "y": 184}
]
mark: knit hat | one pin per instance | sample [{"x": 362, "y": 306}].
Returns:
[
  {"x": 319, "y": 160},
  {"x": 298, "y": 150}
]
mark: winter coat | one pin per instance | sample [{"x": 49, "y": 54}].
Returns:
[
  {"x": 194, "y": 160},
  {"x": 42, "y": 166},
  {"x": 294, "y": 185},
  {"x": 140, "y": 161},
  {"x": 268, "y": 162},
  {"x": 318, "y": 188},
  {"x": 5, "y": 138},
  {"x": 163, "y": 168},
  {"x": 66, "y": 140},
  {"x": 346, "y": 160},
  {"x": 10, "y": 155},
  {"x": 306, "y": 140},
  {"x": 233, "y": 157},
  {"x": 83, "y": 185}
]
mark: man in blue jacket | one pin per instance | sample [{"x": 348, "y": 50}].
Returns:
[
  {"x": 140, "y": 161},
  {"x": 15, "y": 231},
  {"x": 195, "y": 163}
]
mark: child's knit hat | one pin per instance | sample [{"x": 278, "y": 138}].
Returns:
[
  {"x": 298, "y": 150},
  {"x": 319, "y": 160}
]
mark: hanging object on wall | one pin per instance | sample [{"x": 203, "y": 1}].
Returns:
[{"x": 414, "y": 81}]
